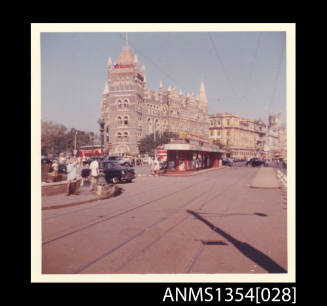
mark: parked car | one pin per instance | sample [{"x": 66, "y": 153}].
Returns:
[
  {"x": 123, "y": 161},
  {"x": 227, "y": 162},
  {"x": 115, "y": 173},
  {"x": 256, "y": 162}
]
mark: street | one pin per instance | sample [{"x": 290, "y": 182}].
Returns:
[{"x": 207, "y": 223}]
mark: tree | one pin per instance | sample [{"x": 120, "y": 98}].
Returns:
[
  {"x": 55, "y": 138},
  {"x": 147, "y": 144}
]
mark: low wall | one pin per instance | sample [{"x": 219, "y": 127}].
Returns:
[{"x": 49, "y": 189}]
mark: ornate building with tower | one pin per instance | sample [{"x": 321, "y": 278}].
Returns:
[{"x": 131, "y": 110}]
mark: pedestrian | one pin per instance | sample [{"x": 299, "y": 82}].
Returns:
[
  {"x": 94, "y": 167},
  {"x": 156, "y": 167},
  {"x": 55, "y": 170},
  {"x": 72, "y": 177},
  {"x": 85, "y": 173}
]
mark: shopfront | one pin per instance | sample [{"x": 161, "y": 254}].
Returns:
[{"x": 184, "y": 156}]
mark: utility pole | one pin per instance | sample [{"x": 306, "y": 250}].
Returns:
[{"x": 75, "y": 151}]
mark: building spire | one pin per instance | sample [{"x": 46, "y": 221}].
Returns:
[{"x": 202, "y": 95}]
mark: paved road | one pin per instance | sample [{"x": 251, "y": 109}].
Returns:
[{"x": 209, "y": 223}]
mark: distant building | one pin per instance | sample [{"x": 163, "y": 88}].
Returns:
[
  {"x": 132, "y": 111},
  {"x": 241, "y": 138},
  {"x": 272, "y": 147},
  {"x": 283, "y": 142}
]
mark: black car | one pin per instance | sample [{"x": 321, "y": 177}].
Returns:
[
  {"x": 256, "y": 162},
  {"x": 227, "y": 162},
  {"x": 115, "y": 173},
  {"x": 123, "y": 161}
]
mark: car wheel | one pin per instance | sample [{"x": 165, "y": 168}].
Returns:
[{"x": 115, "y": 180}]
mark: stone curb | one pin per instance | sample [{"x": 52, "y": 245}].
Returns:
[
  {"x": 194, "y": 173},
  {"x": 71, "y": 204}
]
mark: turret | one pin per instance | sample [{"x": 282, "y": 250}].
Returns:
[{"x": 203, "y": 101}]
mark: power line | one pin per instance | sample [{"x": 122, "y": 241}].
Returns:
[
  {"x": 222, "y": 65},
  {"x": 252, "y": 66},
  {"x": 276, "y": 79}
]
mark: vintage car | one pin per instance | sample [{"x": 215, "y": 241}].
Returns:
[
  {"x": 227, "y": 162},
  {"x": 256, "y": 162},
  {"x": 123, "y": 161},
  {"x": 115, "y": 173}
]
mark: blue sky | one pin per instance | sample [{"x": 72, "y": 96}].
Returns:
[{"x": 243, "y": 72}]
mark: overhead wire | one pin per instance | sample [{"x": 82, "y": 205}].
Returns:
[
  {"x": 252, "y": 67},
  {"x": 275, "y": 81},
  {"x": 222, "y": 65}
]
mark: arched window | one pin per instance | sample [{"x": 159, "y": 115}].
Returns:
[
  {"x": 125, "y": 104},
  {"x": 149, "y": 125},
  {"x": 120, "y": 105},
  {"x": 119, "y": 120},
  {"x": 125, "y": 120},
  {"x": 156, "y": 125},
  {"x": 107, "y": 133},
  {"x": 119, "y": 135}
]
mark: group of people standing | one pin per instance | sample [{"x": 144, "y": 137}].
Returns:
[{"x": 72, "y": 167}]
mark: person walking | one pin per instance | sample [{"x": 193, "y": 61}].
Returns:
[
  {"x": 94, "y": 167},
  {"x": 55, "y": 169},
  {"x": 156, "y": 167},
  {"x": 85, "y": 173},
  {"x": 72, "y": 176}
]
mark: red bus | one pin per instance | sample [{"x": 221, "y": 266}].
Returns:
[{"x": 85, "y": 152}]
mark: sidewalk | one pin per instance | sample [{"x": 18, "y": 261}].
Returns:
[
  {"x": 62, "y": 200},
  {"x": 265, "y": 178}
]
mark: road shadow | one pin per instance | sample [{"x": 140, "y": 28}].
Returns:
[
  {"x": 213, "y": 242},
  {"x": 246, "y": 249},
  {"x": 233, "y": 214}
]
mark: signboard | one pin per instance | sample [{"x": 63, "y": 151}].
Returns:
[{"x": 190, "y": 136}]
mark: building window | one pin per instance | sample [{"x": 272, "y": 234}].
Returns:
[
  {"x": 211, "y": 122},
  {"x": 119, "y": 105},
  {"x": 119, "y": 120},
  {"x": 125, "y": 104},
  {"x": 107, "y": 133},
  {"x": 125, "y": 120}
]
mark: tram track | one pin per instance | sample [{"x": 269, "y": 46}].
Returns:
[
  {"x": 159, "y": 221},
  {"x": 103, "y": 203},
  {"x": 111, "y": 216}
]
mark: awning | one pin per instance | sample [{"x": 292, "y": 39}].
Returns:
[{"x": 191, "y": 147}]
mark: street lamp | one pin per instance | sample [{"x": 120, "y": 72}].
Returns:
[
  {"x": 75, "y": 151},
  {"x": 102, "y": 180}
]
